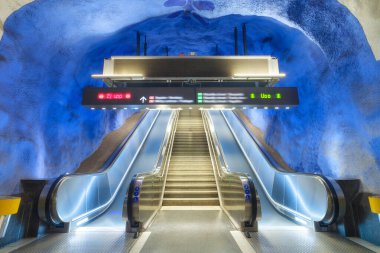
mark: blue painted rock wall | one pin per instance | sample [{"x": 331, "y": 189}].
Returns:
[{"x": 50, "y": 49}]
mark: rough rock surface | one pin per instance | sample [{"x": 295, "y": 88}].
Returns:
[
  {"x": 7, "y": 7},
  {"x": 50, "y": 48},
  {"x": 368, "y": 14}
]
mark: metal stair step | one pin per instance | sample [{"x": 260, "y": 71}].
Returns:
[
  {"x": 194, "y": 162},
  {"x": 189, "y": 158},
  {"x": 182, "y": 152},
  {"x": 191, "y": 173},
  {"x": 189, "y": 170},
  {"x": 191, "y": 194},
  {"x": 194, "y": 186},
  {"x": 190, "y": 202},
  {"x": 191, "y": 165},
  {"x": 205, "y": 157},
  {"x": 190, "y": 179}
]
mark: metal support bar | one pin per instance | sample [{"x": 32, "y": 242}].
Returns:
[
  {"x": 245, "y": 39},
  {"x": 145, "y": 47},
  {"x": 236, "y": 41},
  {"x": 138, "y": 50}
]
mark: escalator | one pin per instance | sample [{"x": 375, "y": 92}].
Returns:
[
  {"x": 76, "y": 199},
  {"x": 188, "y": 174},
  {"x": 268, "y": 220},
  {"x": 292, "y": 204},
  {"x": 202, "y": 202},
  {"x": 84, "y": 210},
  {"x": 303, "y": 198}
]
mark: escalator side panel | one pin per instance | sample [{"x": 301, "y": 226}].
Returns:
[
  {"x": 238, "y": 163},
  {"x": 87, "y": 195},
  {"x": 144, "y": 162},
  {"x": 306, "y": 196}
]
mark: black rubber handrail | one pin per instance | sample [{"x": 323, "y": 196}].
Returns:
[
  {"x": 116, "y": 152},
  {"x": 261, "y": 146}
]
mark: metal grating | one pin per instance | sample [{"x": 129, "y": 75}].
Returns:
[
  {"x": 191, "y": 231},
  {"x": 204, "y": 231},
  {"x": 302, "y": 241},
  {"x": 81, "y": 242}
]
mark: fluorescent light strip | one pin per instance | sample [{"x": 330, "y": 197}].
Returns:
[
  {"x": 260, "y": 76},
  {"x": 127, "y": 76},
  {"x": 235, "y": 76}
]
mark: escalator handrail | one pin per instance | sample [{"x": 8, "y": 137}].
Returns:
[
  {"x": 270, "y": 159},
  {"x": 333, "y": 189},
  {"x": 51, "y": 203},
  {"x": 119, "y": 148},
  {"x": 332, "y": 185},
  {"x": 163, "y": 150},
  {"x": 220, "y": 152},
  {"x": 265, "y": 154}
]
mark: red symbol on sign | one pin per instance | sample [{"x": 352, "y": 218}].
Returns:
[
  {"x": 151, "y": 101},
  {"x": 101, "y": 96},
  {"x": 117, "y": 96},
  {"x": 114, "y": 96},
  {"x": 151, "y": 97}
]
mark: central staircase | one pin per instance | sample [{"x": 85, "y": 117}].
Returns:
[{"x": 190, "y": 180}]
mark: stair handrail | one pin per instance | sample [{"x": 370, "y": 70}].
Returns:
[
  {"x": 245, "y": 220},
  {"x": 138, "y": 218}
]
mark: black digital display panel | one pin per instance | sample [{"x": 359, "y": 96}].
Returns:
[
  {"x": 203, "y": 96},
  {"x": 274, "y": 96},
  {"x": 138, "y": 96}
]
